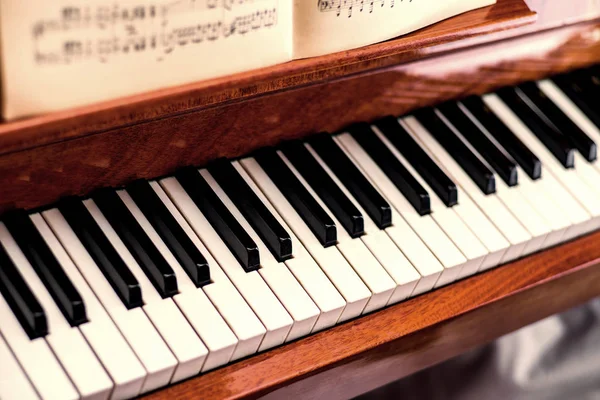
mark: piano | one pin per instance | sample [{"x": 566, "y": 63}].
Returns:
[{"x": 323, "y": 227}]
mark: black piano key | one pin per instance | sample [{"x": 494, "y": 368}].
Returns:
[
  {"x": 588, "y": 79},
  {"x": 178, "y": 242},
  {"x": 593, "y": 84},
  {"x": 594, "y": 75},
  {"x": 352, "y": 178},
  {"x": 540, "y": 125},
  {"x": 441, "y": 184},
  {"x": 252, "y": 208},
  {"x": 102, "y": 252},
  {"x": 581, "y": 94},
  {"x": 46, "y": 266},
  {"x": 505, "y": 167},
  {"x": 228, "y": 228},
  {"x": 339, "y": 204},
  {"x": 530, "y": 163},
  {"x": 21, "y": 299},
  {"x": 480, "y": 174},
  {"x": 416, "y": 195},
  {"x": 311, "y": 212},
  {"x": 586, "y": 146},
  {"x": 138, "y": 243},
  {"x": 594, "y": 72}
]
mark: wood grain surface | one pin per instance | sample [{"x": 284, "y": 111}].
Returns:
[
  {"x": 39, "y": 175},
  {"x": 373, "y": 350}
]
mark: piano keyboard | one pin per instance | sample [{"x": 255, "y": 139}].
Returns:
[{"x": 132, "y": 289}]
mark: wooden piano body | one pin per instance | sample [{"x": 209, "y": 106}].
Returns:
[{"x": 73, "y": 152}]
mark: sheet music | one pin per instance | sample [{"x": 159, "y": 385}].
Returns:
[
  {"x": 91, "y": 50},
  {"x": 327, "y": 26},
  {"x": 346, "y": 7},
  {"x": 105, "y": 31},
  {"x": 59, "y": 54}
]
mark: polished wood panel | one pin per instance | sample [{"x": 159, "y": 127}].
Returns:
[
  {"x": 193, "y": 97},
  {"x": 40, "y": 175},
  {"x": 392, "y": 343}
]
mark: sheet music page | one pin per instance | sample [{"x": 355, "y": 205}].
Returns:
[
  {"x": 327, "y": 26},
  {"x": 58, "y": 54}
]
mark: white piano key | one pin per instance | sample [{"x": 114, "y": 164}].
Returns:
[
  {"x": 224, "y": 296},
  {"x": 409, "y": 243},
  {"x": 383, "y": 248},
  {"x": 570, "y": 208},
  {"x": 292, "y": 296},
  {"x": 478, "y": 223},
  {"x": 533, "y": 193},
  {"x": 571, "y": 110},
  {"x": 70, "y": 348},
  {"x": 587, "y": 172},
  {"x": 447, "y": 219},
  {"x": 417, "y": 253},
  {"x": 359, "y": 257},
  {"x": 567, "y": 106},
  {"x": 133, "y": 324},
  {"x": 424, "y": 226},
  {"x": 544, "y": 203},
  {"x": 333, "y": 264},
  {"x": 514, "y": 201},
  {"x": 395, "y": 263},
  {"x": 192, "y": 301},
  {"x": 178, "y": 335},
  {"x": 210, "y": 327},
  {"x": 491, "y": 205},
  {"x": 589, "y": 175},
  {"x": 13, "y": 381},
  {"x": 583, "y": 122},
  {"x": 251, "y": 285},
  {"x": 484, "y": 229},
  {"x": 125, "y": 370},
  {"x": 304, "y": 268},
  {"x": 568, "y": 178},
  {"x": 36, "y": 358},
  {"x": 525, "y": 214}
]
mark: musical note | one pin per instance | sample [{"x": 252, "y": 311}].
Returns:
[
  {"x": 350, "y": 5},
  {"x": 113, "y": 30}
]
